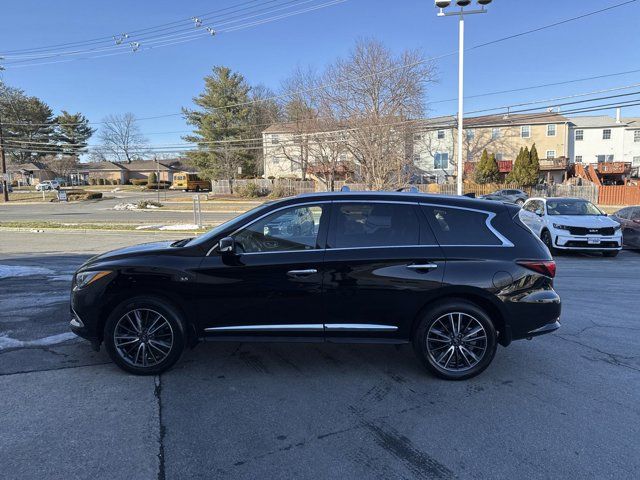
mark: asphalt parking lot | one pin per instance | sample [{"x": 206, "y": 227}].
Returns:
[{"x": 566, "y": 405}]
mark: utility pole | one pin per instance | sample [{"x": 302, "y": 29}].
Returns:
[{"x": 5, "y": 188}]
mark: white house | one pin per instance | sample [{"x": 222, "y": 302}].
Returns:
[
  {"x": 597, "y": 139},
  {"x": 632, "y": 142},
  {"x": 433, "y": 147}
]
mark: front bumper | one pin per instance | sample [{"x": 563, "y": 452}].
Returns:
[{"x": 587, "y": 242}]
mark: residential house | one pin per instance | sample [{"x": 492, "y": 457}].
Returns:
[
  {"x": 597, "y": 139},
  {"x": 631, "y": 144},
  {"x": 433, "y": 147},
  {"x": 30, "y": 173},
  {"x": 125, "y": 172}
]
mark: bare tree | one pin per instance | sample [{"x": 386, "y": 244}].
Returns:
[
  {"x": 121, "y": 138},
  {"x": 381, "y": 94}
]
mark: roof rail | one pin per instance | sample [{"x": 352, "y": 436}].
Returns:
[
  {"x": 345, "y": 188},
  {"x": 411, "y": 189}
]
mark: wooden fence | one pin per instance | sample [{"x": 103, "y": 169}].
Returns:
[
  {"x": 283, "y": 186},
  {"x": 619, "y": 195}
]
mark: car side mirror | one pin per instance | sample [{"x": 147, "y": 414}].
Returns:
[{"x": 227, "y": 245}]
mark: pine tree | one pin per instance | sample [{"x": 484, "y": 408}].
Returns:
[
  {"x": 72, "y": 131},
  {"x": 487, "y": 170},
  {"x": 514, "y": 176},
  {"x": 533, "y": 167},
  {"x": 223, "y": 115}
]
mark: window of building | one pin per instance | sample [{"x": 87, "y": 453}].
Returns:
[
  {"x": 495, "y": 133},
  {"x": 453, "y": 226},
  {"x": 274, "y": 139},
  {"x": 374, "y": 225},
  {"x": 440, "y": 134},
  {"x": 551, "y": 130},
  {"x": 579, "y": 135},
  {"x": 636, "y": 161},
  {"x": 470, "y": 134},
  {"x": 499, "y": 156},
  {"x": 636, "y": 136},
  {"x": 295, "y": 228},
  {"x": 551, "y": 154},
  {"x": 604, "y": 158},
  {"x": 578, "y": 159},
  {"x": 417, "y": 137},
  {"x": 525, "y": 131},
  {"x": 606, "y": 134},
  {"x": 441, "y": 160}
]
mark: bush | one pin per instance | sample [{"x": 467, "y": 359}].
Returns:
[
  {"x": 116, "y": 182},
  {"x": 152, "y": 178},
  {"x": 138, "y": 181},
  {"x": 158, "y": 186},
  {"x": 92, "y": 181},
  {"x": 143, "y": 204},
  {"x": 279, "y": 191},
  {"x": 82, "y": 195},
  {"x": 251, "y": 190}
]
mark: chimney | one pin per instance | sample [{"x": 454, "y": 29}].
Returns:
[{"x": 618, "y": 115}]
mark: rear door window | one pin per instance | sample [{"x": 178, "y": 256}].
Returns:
[
  {"x": 460, "y": 227},
  {"x": 361, "y": 225}
]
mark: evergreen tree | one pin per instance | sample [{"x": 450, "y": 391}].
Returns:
[
  {"x": 487, "y": 170},
  {"x": 514, "y": 176},
  {"x": 72, "y": 133},
  {"x": 223, "y": 116},
  {"x": 533, "y": 167}
]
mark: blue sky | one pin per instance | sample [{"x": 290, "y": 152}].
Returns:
[{"x": 161, "y": 81}]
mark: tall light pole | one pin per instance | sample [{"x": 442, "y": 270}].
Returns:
[{"x": 441, "y": 5}]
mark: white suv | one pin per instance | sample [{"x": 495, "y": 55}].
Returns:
[
  {"x": 48, "y": 185},
  {"x": 572, "y": 224}
]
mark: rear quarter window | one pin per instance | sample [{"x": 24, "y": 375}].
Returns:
[{"x": 460, "y": 227}]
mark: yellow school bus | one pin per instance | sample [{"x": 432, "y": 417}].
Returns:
[{"x": 189, "y": 181}]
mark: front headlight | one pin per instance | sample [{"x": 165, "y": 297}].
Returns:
[
  {"x": 561, "y": 227},
  {"x": 85, "y": 278},
  {"x": 617, "y": 227}
]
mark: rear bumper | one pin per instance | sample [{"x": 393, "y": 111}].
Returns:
[{"x": 534, "y": 314}]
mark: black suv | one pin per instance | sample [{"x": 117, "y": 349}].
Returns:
[{"x": 452, "y": 275}]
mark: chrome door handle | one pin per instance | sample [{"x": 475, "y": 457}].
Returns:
[
  {"x": 423, "y": 266},
  {"x": 302, "y": 273}
]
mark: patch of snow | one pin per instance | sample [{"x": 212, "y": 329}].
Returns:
[
  {"x": 9, "y": 271},
  {"x": 148, "y": 227},
  {"x": 125, "y": 206},
  {"x": 152, "y": 206},
  {"x": 8, "y": 342},
  {"x": 186, "y": 226}
]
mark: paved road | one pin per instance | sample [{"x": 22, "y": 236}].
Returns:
[
  {"x": 566, "y": 405},
  {"x": 102, "y": 211}
]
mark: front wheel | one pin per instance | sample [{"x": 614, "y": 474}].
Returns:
[
  {"x": 548, "y": 241},
  {"x": 455, "y": 340},
  {"x": 145, "y": 336}
]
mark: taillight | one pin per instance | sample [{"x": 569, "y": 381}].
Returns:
[{"x": 545, "y": 267}]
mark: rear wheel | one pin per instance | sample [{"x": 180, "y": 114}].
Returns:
[
  {"x": 548, "y": 241},
  {"x": 145, "y": 336},
  {"x": 455, "y": 340}
]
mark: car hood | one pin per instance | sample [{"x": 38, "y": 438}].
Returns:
[
  {"x": 589, "y": 221},
  {"x": 143, "y": 248}
]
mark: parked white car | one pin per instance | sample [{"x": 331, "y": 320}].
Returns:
[
  {"x": 572, "y": 224},
  {"x": 48, "y": 185}
]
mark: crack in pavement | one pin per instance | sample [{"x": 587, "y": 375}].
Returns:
[
  {"x": 22, "y": 372},
  {"x": 614, "y": 359}
]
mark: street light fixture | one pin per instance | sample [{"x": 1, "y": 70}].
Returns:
[{"x": 442, "y": 4}]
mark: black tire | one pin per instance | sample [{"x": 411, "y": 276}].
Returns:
[
  {"x": 545, "y": 236},
  {"x": 176, "y": 326},
  {"x": 610, "y": 253},
  {"x": 197, "y": 188},
  {"x": 427, "y": 351}
]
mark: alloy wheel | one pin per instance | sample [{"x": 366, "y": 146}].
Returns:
[
  {"x": 456, "y": 342},
  {"x": 143, "y": 337}
]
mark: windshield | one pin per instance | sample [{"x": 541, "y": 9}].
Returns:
[
  {"x": 226, "y": 225},
  {"x": 572, "y": 207}
]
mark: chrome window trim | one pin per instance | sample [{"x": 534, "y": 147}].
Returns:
[{"x": 490, "y": 216}]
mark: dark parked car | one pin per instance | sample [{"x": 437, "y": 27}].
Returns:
[
  {"x": 629, "y": 219},
  {"x": 508, "y": 195},
  {"x": 453, "y": 276}
]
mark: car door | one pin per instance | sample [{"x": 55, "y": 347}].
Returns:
[
  {"x": 381, "y": 264},
  {"x": 529, "y": 217},
  {"x": 271, "y": 285}
]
